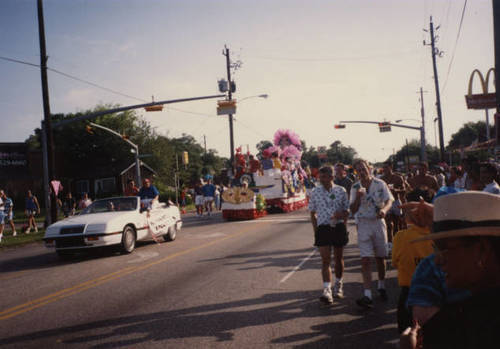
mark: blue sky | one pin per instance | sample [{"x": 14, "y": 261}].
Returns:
[{"x": 319, "y": 61}]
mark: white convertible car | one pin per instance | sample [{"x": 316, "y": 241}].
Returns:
[{"x": 119, "y": 221}]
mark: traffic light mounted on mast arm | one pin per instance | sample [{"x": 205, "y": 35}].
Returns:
[
  {"x": 339, "y": 126},
  {"x": 384, "y": 126}
]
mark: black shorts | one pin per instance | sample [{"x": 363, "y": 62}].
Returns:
[{"x": 326, "y": 235}]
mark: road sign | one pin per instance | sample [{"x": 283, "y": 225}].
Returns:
[
  {"x": 481, "y": 101},
  {"x": 225, "y": 107}
]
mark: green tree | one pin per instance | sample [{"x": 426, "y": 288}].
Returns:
[
  {"x": 413, "y": 149},
  {"x": 80, "y": 150},
  {"x": 469, "y": 133}
]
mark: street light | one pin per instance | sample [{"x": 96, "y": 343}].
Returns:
[
  {"x": 231, "y": 118},
  {"x": 264, "y": 95},
  {"x": 423, "y": 154},
  {"x": 400, "y": 120},
  {"x": 135, "y": 147}
]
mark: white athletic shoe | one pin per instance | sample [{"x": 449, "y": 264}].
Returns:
[
  {"x": 326, "y": 297},
  {"x": 338, "y": 290},
  {"x": 14, "y": 233},
  {"x": 1, "y": 236}
]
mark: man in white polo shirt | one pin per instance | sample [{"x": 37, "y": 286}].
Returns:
[
  {"x": 370, "y": 200},
  {"x": 329, "y": 208}
]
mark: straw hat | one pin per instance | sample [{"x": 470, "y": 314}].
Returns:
[{"x": 470, "y": 213}]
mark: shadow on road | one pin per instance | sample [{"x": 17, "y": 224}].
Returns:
[
  {"x": 219, "y": 321},
  {"x": 50, "y": 259}
]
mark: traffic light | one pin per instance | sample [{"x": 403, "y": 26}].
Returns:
[
  {"x": 222, "y": 85},
  {"x": 384, "y": 126},
  {"x": 89, "y": 129},
  {"x": 154, "y": 108},
  {"x": 185, "y": 158},
  {"x": 125, "y": 137},
  {"x": 339, "y": 126}
]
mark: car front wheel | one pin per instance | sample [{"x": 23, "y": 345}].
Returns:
[
  {"x": 172, "y": 233},
  {"x": 128, "y": 240}
]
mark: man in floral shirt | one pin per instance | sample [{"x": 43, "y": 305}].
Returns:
[
  {"x": 329, "y": 208},
  {"x": 370, "y": 201}
]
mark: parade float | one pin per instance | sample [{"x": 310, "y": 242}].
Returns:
[{"x": 275, "y": 183}]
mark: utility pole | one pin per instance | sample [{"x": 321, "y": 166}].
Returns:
[
  {"x": 435, "y": 52},
  {"x": 230, "y": 96},
  {"x": 47, "y": 125},
  {"x": 422, "y": 130},
  {"x": 205, "y": 143}
]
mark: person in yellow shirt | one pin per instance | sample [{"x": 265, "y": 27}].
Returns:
[{"x": 405, "y": 258}]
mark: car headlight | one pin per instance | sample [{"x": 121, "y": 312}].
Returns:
[{"x": 96, "y": 228}]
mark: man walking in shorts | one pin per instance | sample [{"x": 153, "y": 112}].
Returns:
[
  {"x": 208, "y": 195},
  {"x": 328, "y": 205},
  {"x": 370, "y": 200}
]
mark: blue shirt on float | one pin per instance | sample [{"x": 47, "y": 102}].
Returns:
[{"x": 148, "y": 193}]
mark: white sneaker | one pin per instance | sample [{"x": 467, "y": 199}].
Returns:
[
  {"x": 36, "y": 229},
  {"x": 338, "y": 290},
  {"x": 326, "y": 297},
  {"x": 1, "y": 236},
  {"x": 14, "y": 233}
]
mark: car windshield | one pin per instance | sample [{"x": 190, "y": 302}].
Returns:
[{"x": 112, "y": 205}]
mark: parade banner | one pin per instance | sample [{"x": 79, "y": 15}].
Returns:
[{"x": 158, "y": 223}]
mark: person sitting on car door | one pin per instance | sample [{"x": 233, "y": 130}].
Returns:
[{"x": 149, "y": 194}]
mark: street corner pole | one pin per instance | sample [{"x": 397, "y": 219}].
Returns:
[
  {"x": 230, "y": 97},
  {"x": 137, "y": 166},
  {"x": 46, "y": 112}
]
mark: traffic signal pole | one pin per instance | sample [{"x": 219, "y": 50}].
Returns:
[
  {"x": 230, "y": 97},
  {"x": 134, "y": 146},
  {"x": 386, "y": 123}
]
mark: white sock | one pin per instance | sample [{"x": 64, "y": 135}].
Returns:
[
  {"x": 327, "y": 285},
  {"x": 381, "y": 284},
  {"x": 368, "y": 293}
]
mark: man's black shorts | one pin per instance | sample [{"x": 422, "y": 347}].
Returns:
[{"x": 327, "y": 235}]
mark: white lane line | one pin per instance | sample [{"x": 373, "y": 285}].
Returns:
[{"x": 289, "y": 275}]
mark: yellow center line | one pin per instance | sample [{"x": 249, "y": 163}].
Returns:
[{"x": 64, "y": 293}]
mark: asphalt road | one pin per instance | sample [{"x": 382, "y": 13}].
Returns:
[{"x": 252, "y": 284}]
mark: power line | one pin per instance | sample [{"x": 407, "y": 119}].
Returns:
[
  {"x": 455, "y": 46},
  {"x": 74, "y": 78},
  {"x": 330, "y": 59},
  {"x": 18, "y": 61},
  {"x": 191, "y": 112},
  {"x": 96, "y": 85}
]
